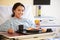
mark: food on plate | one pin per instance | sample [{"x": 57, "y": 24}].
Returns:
[
  {"x": 30, "y": 28},
  {"x": 44, "y": 30}
]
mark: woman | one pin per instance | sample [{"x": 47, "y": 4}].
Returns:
[{"x": 16, "y": 19}]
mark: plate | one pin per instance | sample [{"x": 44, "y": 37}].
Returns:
[{"x": 33, "y": 31}]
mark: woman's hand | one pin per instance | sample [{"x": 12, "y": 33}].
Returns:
[
  {"x": 37, "y": 27},
  {"x": 10, "y": 31},
  {"x": 37, "y": 23}
]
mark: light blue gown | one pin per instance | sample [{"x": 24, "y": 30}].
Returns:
[{"x": 14, "y": 22}]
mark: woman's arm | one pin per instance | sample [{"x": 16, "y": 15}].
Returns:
[
  {"x": 33, "y": 25},
  {"x": 5, "y": 26}
]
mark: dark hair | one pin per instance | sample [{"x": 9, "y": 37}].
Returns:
[{"x": 15, "y": 6}]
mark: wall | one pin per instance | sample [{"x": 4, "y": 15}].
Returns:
[
  {"x": 52, "y": 10},
  {"x": 11, "y": 2}
]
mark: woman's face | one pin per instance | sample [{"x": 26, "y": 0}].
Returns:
[{"x": 19, "y": 11}]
